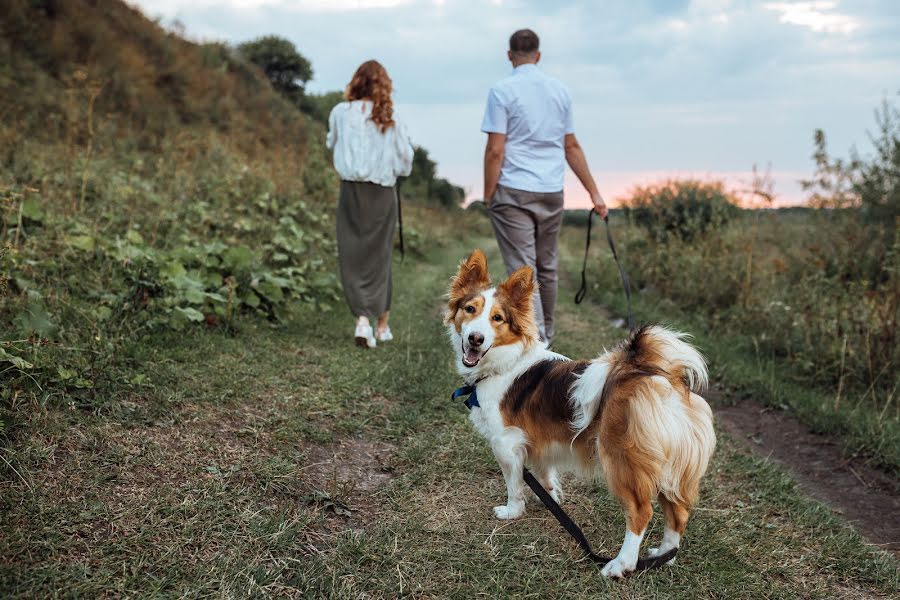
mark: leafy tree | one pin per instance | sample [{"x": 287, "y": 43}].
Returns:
[
  {"x": 685, "y": 210},
  {"x": 424, "y": 169},
  {"x": 877, "y": 181},
  {"x": 831, "y": 185},
  {"x": 286, "y": 68},
  {"x": 872, "y": 184},
  {"x": 423, "y": 182},
  {"x": 318, "y": 106}
]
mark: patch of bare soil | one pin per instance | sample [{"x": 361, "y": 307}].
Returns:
[
  {"x": 349, "y": 473},
  {"x": 864, "y": 496}
]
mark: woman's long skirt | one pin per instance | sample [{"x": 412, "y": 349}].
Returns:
[{"x": 366, "y": 220}]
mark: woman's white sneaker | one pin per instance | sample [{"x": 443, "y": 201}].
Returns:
[
  {"x": 385, "y": 335},
  {"x": 365, "y": 338}
]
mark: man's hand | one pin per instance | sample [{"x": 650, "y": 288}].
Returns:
[
  {"x": 488, "y": 196},
  {"x": 575, "y": 158},
  {"x": 600, "y": 205}
]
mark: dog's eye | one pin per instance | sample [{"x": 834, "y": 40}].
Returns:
[
  {"x": 470, "y": 309},
  {"x": 498, "y": 318}
]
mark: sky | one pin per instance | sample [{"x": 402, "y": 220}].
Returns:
[{"x": 661, "y": 88}]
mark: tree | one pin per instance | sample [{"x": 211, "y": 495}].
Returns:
[
  {"x": 832, "y": 183},
  {"x": 318, "y": 106},
  {"x": 423, "y": 169},
  {"x": 286, "y": 68}
]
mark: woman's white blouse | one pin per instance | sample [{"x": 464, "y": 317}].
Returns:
[{"x": 361, "y": 151}]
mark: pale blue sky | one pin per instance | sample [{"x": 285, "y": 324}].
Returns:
[{"x": 686, "y": 87}]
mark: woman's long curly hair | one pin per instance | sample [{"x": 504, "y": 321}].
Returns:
[{"x": 371, "y": 82}]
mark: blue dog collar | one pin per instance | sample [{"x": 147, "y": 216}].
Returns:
[{"x": 467, "y": 390}]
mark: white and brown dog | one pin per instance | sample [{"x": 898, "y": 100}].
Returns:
[{"x": 629, "y": 415}]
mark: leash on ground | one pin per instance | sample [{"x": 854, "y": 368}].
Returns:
[
  {"x": 650, "y": 562},
  {"x": 626, "y": 283},
  {"x": 400, "y": 220}
]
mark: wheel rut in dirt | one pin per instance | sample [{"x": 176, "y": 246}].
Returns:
[{"x": 866, "y": 497}]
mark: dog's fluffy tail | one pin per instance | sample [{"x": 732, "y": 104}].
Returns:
[{"x": 650, "y": 351}]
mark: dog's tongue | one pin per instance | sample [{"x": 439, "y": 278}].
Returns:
[{"x": 472, "y": 357}]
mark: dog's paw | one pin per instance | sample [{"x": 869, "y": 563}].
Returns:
[
  {"x": 656, "y": 552},
  {"x": 616, "y": 569},
  {"x": 504, "y": 512}
]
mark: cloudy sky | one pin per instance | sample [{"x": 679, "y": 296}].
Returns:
[{"x": 662, "y": 88}]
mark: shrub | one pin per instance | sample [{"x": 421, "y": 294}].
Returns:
[{"x": 681, "y": 209}]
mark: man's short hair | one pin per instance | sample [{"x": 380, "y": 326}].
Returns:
[{"x": 524, "y": 42}]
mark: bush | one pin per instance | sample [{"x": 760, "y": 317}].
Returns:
[{"x": 681, "y": 209}]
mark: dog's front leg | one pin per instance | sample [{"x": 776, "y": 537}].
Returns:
[{"x": 510, "y": 453}]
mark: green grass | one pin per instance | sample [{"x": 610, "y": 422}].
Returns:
[{"x": 231, "y": 472}]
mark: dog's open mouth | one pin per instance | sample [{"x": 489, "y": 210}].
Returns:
[{"x": 472, "y": 356}]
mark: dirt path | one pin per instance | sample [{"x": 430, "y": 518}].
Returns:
[{"x": 865, "y": 497}]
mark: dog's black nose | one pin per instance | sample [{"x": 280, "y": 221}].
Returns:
[{"x": 476, "y": 339}]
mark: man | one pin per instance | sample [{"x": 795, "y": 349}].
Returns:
[{"x": 531, "y": 137}]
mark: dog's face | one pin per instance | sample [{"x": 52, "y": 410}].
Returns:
[{"x": 481, "y": 318}]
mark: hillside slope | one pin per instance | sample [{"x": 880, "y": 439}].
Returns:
[
  {"x": 55, "y": 55},
  {"x": 146, "y": 183}
]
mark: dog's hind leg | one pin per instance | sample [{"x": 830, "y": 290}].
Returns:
[
  {"x": 548, "y": 477},
  {"x": 676, "y": 521},
  {"x": 510, "y": 453},
  {"x": 638, "y": 512}
]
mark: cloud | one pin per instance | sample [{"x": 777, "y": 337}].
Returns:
[{"x": 816, "y": 16}]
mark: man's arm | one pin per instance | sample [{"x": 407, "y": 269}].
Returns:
[
  {"x": 575, "y": 158},
  {"x": 493, "y": 160}
]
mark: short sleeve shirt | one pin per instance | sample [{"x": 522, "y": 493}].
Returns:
[{"x": 534, "y": 111}]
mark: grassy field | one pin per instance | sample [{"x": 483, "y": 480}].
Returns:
[
  {"x": 774, "y": 297},
  {"x": 281, "y": 460}
]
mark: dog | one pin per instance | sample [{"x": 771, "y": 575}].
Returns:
[{"x": 630, "y": 415}]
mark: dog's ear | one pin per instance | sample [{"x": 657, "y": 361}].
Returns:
[
  {"x": 518, "y": 291},
  {"x": 472, "y": 277},
  {"x": 519, "y": 287}
]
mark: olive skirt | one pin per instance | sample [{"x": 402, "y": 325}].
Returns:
[{"x": 366, "y": 221}]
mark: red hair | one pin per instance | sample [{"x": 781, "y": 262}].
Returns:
[{"x": 371, "y": 82}]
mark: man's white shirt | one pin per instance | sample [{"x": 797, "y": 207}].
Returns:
[{"x": 534, "y": 111}]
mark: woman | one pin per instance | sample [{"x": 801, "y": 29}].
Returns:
[{"x": 370, "y": 151}]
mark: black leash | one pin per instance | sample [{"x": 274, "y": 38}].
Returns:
[
  {"x": 564, "y": 519},
  {"x": 400, "y": 220},
  {"x": 582, "y": 291}
]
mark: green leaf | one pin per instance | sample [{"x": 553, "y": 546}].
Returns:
[
  {"x": 102, "y": 313},
  {"x": 237, "y": 258},
  {"x": 66, "y": 374},
  {"x": 82, "y": 242},
  {"x": 269, "y": 290},
  {"x": 134, "y": 237},
  {"x": 191, "y": 314},
  {"x": 31, "y": 210},
  {"x": 35, "y": 320},
  {"x": 195, "y": 296},
  {"x": 172, "y": 270},
  {"x": 250, "y": 299},
  {"x": 17, "y": 362}
]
